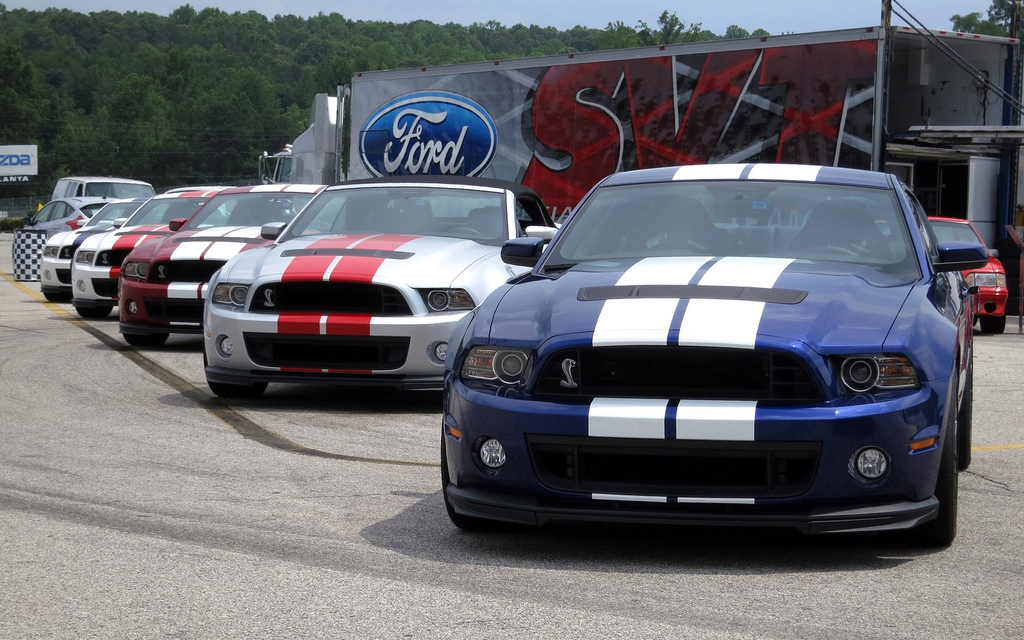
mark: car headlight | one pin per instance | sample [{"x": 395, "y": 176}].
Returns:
[
  {"x": 447, "y": 299},
  {"x": 138, "y": 270},
  {"x": 85, "y": 257},
  {"x": 50, "y": 251},
  {"x": 989, "y": 279},
  {"x": 490, "y": 364},
  {"x": 230, "y": 294},
  {"x": 861, "y": 374}
]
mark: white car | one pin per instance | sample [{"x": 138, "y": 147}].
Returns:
[
  {"x": 55, "y": 267},
  {"x": 97, "y": 263},
  {"x": 365, "y": 285}
]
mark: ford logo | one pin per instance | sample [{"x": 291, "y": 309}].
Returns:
[{"x": 428, "y": 132}]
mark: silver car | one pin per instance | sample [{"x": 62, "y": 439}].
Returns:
[{"x": 64, "y": 214}]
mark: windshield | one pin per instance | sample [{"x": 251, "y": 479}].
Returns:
[
  {"x": 432, "y": 211},
  {"x": 111, "y": 212},
  {"x": 118, "y": 190},
  {"x": 954, "y": 232},
  {"x": 249, "y": 209},
  {"x": 808, "y": 221},
  {"x": 90, "y": 209},
  {"x": 163, "y": 210}
]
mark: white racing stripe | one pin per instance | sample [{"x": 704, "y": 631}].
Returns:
[
  {"x": 632, "y": 321},
  {"x": 185, "y": 290},
  {"x": 709, "y": 172},
  {"x": 627, "y": 418},
  {"x": 795, "y": 172},
  {"x": 715, "y": 420},
  {"x": 730, "y": 323}
]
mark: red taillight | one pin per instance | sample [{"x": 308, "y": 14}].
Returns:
[{"x": 74, "y": 223}]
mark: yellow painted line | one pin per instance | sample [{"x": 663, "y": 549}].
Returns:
[
  {"x": 214, "y": 406},
  {"x": 998, "y": 447}
]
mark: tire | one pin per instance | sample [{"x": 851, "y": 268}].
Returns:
[
  {"x": 94, "y": 313},
  {"x": 941, "y": 531},
  {"x": 57, "y": 297},
  {"x": 992, "y": 324},
  {"x": 965, "y": 421},
  {"x": 145, "y": 340},
  {"x": 466, "y": 523},
  {"x": 225, "y": 390}
]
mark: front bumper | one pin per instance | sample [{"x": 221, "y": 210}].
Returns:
[
  {"x": 991, "y": 301},
  {"x": 160, "y": 308},
  {"x": 94, "y": 286},
  {"x": 55, "y": 275},
  {"x": 419, "y": 370},
  {"x": 492, "y": 505},
  {"x": 617, "y": 478}
]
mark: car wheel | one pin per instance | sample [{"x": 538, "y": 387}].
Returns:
[
  {"x": 466, "y": 523},
  {"x": 992, "y": 324},
  {"x": 145, "y": 339},
  {"x": 941, "y": 531},
  {"x": 965, "y": 421},
  {"x": 93, "y": 313},
  {"x": 57, "y": 297}
]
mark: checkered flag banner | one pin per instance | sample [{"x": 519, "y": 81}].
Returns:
[{"x": 27, "y": 253}]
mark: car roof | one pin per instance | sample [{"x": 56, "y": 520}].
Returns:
[
  {"x": 283, "y": 187},
  {"x": 763, "y": 171},
  {"x": 514, "y": 187},
  {"x": 104, "y": 179},
  {"x": 203, "y": 192}
]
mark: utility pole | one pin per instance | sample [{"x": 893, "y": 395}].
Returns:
[{"x": 887, "y": 13}]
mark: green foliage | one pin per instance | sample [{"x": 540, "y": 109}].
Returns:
[
  {"x": 8, "y": 225},
  {"x": 196, "y": 96},
  {"x": 997, "y": 23}
]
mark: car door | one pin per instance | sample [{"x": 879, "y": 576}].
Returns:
[{"x": 55, "y": 222}]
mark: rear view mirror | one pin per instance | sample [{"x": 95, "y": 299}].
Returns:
[
  {"x": 960, "y": 256},
  {"x": 522, "y": 252},
  {"x": 119, "y": 222},
  {"x": 544, "y": 233},
  {"x": 177, "y": 223}
]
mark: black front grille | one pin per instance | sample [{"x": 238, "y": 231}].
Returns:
[
  {"x": 183, "y": 270},
  {"x": 327, "y": 352},
  {"x": 174, "y": 310},
  {"x": 674, "y": 467},
  {"x": 111, "y": 257},
  {"x": 64, "y": 276},
  {"x": 66, "y": 252},
  {"x": 697, "y": 373},
  {"x": 105, "y": 287},
  {"x": 330, "y": 297}
]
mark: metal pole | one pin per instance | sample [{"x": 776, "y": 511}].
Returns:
[{"x": 1011, "y": 231}]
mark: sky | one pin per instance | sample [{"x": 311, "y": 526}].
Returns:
[{"x": 776, "y": 16}]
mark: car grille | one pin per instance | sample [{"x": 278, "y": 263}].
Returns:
[
  {"x": 330, "y": 297},
  {"x": 183, "y": 270},
  {"x": 105, "y": 287},
  {"x": 174, "y": 310},
  {"x": 697, "y": 373},
  {"x": 327, "y": 352},
  {"x": 674, "y": 467},
  {"x": 111, "y": 257},
  {"x": 64, "y": 276},
  {"x": 66, "y": 252}
]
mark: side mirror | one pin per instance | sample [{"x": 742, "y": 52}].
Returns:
[
  {"x": 522, "y": 252},
  {"x": 177, "y": 223},
  {"x": 272, "y": 230},
  {"x": 960, "y": 256},
  {"x": 544, "y": 233},
  {"x": 994, "y": 253},
  {"x": 26, "y": 221},
  {"x": 118, "y": 222}
]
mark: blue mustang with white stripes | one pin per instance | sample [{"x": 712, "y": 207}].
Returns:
[{"x": 760, "y": 345}]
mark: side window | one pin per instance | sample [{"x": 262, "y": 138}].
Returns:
[
  {"x": 529, "y": 212},
  {"x": 78, "y": 188},
  {"x": 927, "y": 235},
  {"x": 44, "y": 214}
]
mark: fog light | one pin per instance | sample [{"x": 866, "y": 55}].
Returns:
[
  {"x": 225, "y": 346},
  {"x": 81, "y": 285},
  {"x": 871, "y": 463},
  {"x": 46, "y": 274},
  {"x": 132, "y": 307},
  {"x": 492, "y": 454}
]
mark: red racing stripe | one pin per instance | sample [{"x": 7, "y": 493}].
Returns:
[
  {"x": 362, "y": 269},
  {"x": 348, "y": 324},
  {"x": 314, "y": 267},
  {"x": 299, "y": 323}
]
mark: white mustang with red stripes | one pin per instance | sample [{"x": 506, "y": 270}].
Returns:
[
  {"x": 163, "y": 283},
  {"x": 365, "y": 286},
  {"x": 97, "y": 264}
]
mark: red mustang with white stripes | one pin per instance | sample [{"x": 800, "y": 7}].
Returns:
[
  {"x": 365, "y": 286},
  {"x": 97, "y": 263},
  {"x": 163, "y": 283}
]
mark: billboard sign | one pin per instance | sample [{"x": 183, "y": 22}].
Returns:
[{"x": 17, "y": 162}]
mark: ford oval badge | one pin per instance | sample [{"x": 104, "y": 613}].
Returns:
[{"x": 428, "y": 133}]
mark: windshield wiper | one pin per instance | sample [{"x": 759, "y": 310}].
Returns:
[{"x": 556, "y": 268}]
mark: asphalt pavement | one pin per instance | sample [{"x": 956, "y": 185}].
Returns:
[{"x": 135, "y": 504}]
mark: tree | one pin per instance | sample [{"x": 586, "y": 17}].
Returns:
[{"x": 1000, "y": 15}]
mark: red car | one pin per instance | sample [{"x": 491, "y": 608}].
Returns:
[
  {"x": 991, "y": 279},
  {"x": 163, "y": 281}
]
